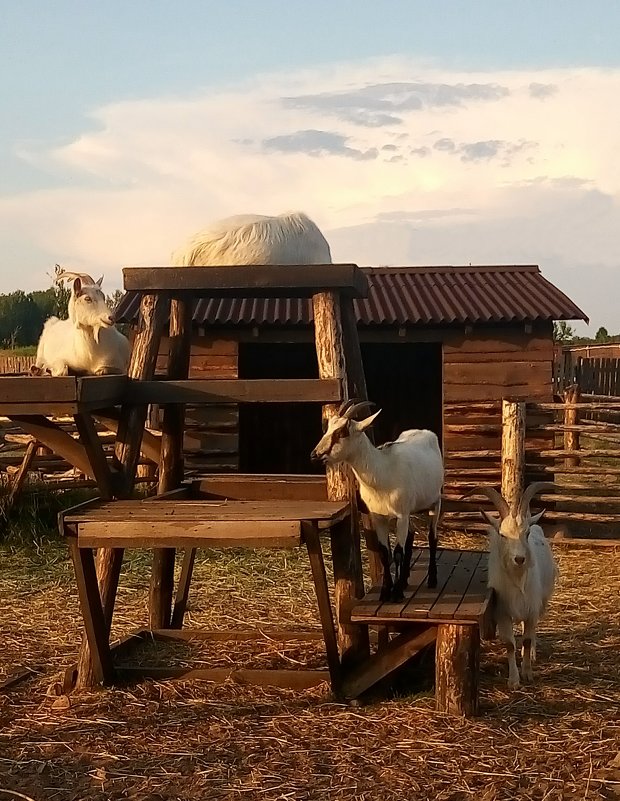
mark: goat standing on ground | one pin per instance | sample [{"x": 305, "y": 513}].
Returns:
[
  {"x": 87, "y": 342},
  {"x": 291, "y": 238},
  {"x": 522, "y": 572},
  {"x": 396, "y": 480}
]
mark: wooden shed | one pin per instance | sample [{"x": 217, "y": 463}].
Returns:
[{"x": 436, "y": 342}]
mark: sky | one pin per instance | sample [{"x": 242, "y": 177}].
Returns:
[{"x": 443, "y": 132}]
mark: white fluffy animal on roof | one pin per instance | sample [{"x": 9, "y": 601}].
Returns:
[
  {"x": 522, "y": 571},
  {"x": 87, "y": 342},
  {"x": 396, "y": 480},
  {"x": 291, "y": 238}
]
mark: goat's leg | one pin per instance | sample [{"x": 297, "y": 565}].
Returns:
[
  {"x": 433, "y": 522},
  {"x": 505, "y": 632},
  {"x": 528, "y": 651},
  {"x": 59, "y": 368},
  {"x": 402, "y": 557},
  {"x": 382, "y": 528}
]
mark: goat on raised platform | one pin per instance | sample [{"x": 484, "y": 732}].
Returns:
[
  {"x": 522, "y": 571},
  {"x": 87, "y": 342},
  {"x": 291, "y": 238},
  {"x": 396, "y": 480}
]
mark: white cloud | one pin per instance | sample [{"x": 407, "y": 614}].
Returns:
[{"x": 398, "y": 163}]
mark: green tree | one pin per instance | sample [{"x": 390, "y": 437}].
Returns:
[
  {"x": 563, "y": 332},
  {"x": 602, "y": 335},
  {"x": 21, "y": 320}
]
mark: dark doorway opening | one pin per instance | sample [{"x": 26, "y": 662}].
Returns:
[
  {"x": 278, "y": 437},
  {"x": 403, "y": 379}
]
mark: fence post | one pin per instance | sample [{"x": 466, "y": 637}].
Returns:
[
  {"x": 513, "y": 450},
  {"x": 571, "y": 418}
]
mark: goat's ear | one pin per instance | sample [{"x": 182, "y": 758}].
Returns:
[
  {"x": 77, "y": 286},
  {"x": 535, "y": 518},
  {"x": 99, "y": 281},
  {"x": 491, "y": 519},
  {"x": 362, "y": 425}
]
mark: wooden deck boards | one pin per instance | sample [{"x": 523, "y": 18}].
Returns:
[
  {"x": 199, "y": 523},
  {"x": 461, "y": 595}
]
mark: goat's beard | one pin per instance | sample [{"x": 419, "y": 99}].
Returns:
[{"x": 96, "y": 331}]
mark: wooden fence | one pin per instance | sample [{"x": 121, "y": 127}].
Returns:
[
  {"x": 16, "y": 364},
  {"x": 581, "y": 456},
  {"x": 597, "y": 376}
]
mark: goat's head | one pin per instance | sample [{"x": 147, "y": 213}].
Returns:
[
  {"x": 89, "y": 308},
  {"x": 339, "y": 440},
  {"x": 513, "y": 524}
]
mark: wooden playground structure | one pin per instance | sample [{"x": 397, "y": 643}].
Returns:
[{"x": 240, "y": 510}]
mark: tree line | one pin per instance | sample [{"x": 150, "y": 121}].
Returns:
[
  {"x": 565, "y": 334},
  {"x": 22, "y": 314}
]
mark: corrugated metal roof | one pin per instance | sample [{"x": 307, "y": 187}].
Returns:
[{"x": 407, "y": 296}]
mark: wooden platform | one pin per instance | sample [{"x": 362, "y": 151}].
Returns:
[
  {"x": 59, "y": 395},
  {"x": 461, "y": 595},
  {"x": 200, "y": 523}
]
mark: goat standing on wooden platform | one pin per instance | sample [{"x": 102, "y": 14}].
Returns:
[
  {"x": 522, "y": 572},
  {"x": 291, "y": 238},
  {"x": 87, "y": 342},
  {"x": 396, "y": 480}
]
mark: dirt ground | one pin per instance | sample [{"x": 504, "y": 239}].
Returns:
[{"x": 155, "y": 741}]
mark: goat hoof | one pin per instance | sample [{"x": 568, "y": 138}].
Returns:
[
  {"x": 527, "y": 676},
  {"x": 397, "y": 595},
  {"x": 431, "y": 583},
  {"x": 513, "y": 683},
  {"x": 385, "y": 594}
]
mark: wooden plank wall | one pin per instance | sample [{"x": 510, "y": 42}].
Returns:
[
  {"x": 211, "y": 440},
  {"x": 478, "y": 371}
]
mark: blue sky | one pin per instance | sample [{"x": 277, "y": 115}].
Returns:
[{"x": 411, "y": 131}]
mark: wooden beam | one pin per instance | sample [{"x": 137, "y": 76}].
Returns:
[
  {"x": 196, "y": 391},
  {"x": 249, "y": 281},
  {"x": 513, "y": 451},
  {"x": 96, "y": 456},
  {"x": 345, "y": 539},
  {"x": 286, "y": 679},
  {"x": 19, "y": 479},
  {"x": 171, "y": 461},
  {"x": 57, "y": 440},
  {"x": 150, "y": 445},
  {"x": 457, "y": 669},
  {"x": 398, "y": 651}
]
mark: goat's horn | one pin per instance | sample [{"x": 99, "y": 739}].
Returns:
[
  {"x": 346, "y": 405},
  {"x": 67, "y": 275},
  {"x": 494, "y": 496},
  {"x": 533, "y": 489},
  {"x": 357, "y": 408}
]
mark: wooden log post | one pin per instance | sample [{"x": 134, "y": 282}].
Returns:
[
  {"x": 20, "y": 478},
  {"x": 513, "y": 451},
  {"x": 353, "y": 641},
  {"x": 171, "y": 461},
  {"x": 457, "y": 669},
  {"x": 571, "y": 418},
  {"x": 127, "y": 453}
]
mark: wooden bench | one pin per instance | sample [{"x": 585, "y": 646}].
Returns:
[{"x": 454, "y": 615}]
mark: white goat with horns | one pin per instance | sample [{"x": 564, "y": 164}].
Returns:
[
  {"x": 87, "y": 342},
  {"x": 396, "y": 480},
  {"x": 522, "y": 571},
  {"x": 291, "y": 238}
]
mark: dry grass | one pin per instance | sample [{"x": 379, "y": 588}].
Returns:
[{"x": 559, "y": 739}]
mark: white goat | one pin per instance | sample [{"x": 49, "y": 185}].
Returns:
[
  {"x": 290, "y": 238},
  {"x": 396, "y": 480},
  {"x": 522, "y": 572},
  {"x": 87, "y": 342}
]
